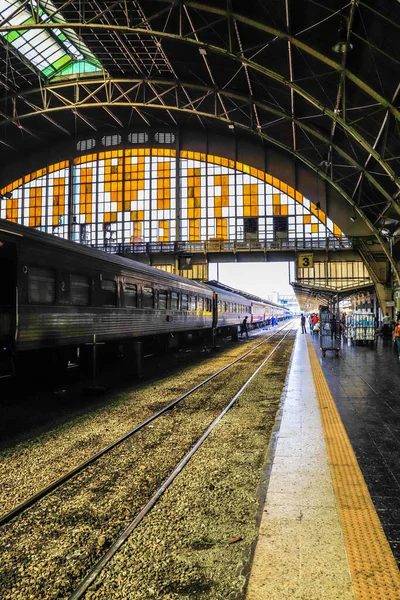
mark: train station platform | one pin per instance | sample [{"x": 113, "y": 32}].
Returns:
[{"x": 331, "y": 521}]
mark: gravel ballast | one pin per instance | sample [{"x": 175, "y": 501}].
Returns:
[{"x": 47, "y": 551}]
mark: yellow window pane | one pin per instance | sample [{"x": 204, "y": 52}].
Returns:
[
  {"x": 276, "y": 199},
  {"x": 290, "y": 192},
  {"x": 314, "y": 228},
  {"x": 277, "y": 211},
  {"x": 137, "y": 215}
]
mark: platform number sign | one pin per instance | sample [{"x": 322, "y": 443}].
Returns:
[{"x": 305, "y": 260}]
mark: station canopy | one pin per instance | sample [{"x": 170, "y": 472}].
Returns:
[
  {"x": 318, "y": 80},
  {"x": 310, "y": 297}
]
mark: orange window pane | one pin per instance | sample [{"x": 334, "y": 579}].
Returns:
[
  {"x": 222, "y": 229},
  {"x": 164, "y": 226},
  {"x": 137, "y": 232},
  {"x": 12, "y": 209},
  {"x": 194, "y": 229},
  {"x": 306, "y": 219},
  {"x": 35, "y": 206},
  {"x": 58, "y": 199},
  {"x": 137, "y": 215},
  {"x": 336, "y": 230},
  {"x": 314, "y": 228},
  {"x": 276, "y": 199}
]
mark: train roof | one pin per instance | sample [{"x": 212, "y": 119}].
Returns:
[
  {"x": 226, "y": 292},
  {"x": 217, "y": 285},
  {"x": 56, "y": 242}
]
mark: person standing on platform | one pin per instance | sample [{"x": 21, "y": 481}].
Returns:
[
  {"x": 396, "y": 337},
  {"x": 386, "y": 326},
  {"x": 243, "y": 328},
  {"x": 303, "y": 323}
]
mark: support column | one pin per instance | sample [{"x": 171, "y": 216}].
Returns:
[{"x": 385, "y": 294}]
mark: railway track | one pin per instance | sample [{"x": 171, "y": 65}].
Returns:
[{"x": 29, "y": 503}]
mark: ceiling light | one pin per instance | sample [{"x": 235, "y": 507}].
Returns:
[
  {"x": 231, "y": 126},
  {"x": 342, "y": 45},
  {"x": 203, "y": 51},
  {"x": 353, "y": 218}
]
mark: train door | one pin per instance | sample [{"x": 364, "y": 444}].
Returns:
[
  {"x": 8, "y": 304},
  {"x": 214, "y": 309}
]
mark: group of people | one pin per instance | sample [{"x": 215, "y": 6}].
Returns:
[
  {"x": 388, "y": 325},
  {"x": 313, "y": 320}
]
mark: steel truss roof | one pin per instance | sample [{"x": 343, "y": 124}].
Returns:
[{"x": 264, "y": 68}]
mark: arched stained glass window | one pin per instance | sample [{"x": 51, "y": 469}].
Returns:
[{"x": 151, "y": 195}]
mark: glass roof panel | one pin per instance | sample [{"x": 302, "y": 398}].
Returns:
[{"x": 53, "y": 52}]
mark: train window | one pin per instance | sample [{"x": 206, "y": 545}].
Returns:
[
  {"x": 185, "y": 302},
  {"x": 162, "y": 299},
  {"x": 148, "y": 297},
  {"x": 200, "y": 304},
  {"x": 174, "y": 301},
  {"x": 130, "y": 295},
  {"x": 80, "y": 290},
  {"x": 108, "y": 292},
  {"x": 41, "y": 286},
  {"x": 225, "y": 307},
  {"x": 193, "y": 303}
]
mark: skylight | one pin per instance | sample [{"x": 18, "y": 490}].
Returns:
[{"x": 53, "y": 52}]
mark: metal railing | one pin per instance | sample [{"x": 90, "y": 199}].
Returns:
[{"x": 329, "y": 243}]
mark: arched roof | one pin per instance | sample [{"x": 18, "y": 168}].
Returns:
[{"x": 270, "y": 70}]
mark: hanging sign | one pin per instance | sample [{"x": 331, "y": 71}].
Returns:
[{"x": 305, "y": 260}]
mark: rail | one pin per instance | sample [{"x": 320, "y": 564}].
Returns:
[
  {"x": 329, "y": 243},
  {"x": 30, "y": 502}
]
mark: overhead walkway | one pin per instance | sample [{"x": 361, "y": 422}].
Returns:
[{"x": 321, "y": 534}]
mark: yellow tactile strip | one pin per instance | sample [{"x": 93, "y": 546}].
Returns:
[{"x": 374, "y": 571}]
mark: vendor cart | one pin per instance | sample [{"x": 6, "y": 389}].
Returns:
[
  {"x": 329, "y": 333},
  {"x": 364, "y": 327}
]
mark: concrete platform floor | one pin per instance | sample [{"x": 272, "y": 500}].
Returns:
[
  {"x": 301, "y": 550},
  {"x": 365, "y": 383}
]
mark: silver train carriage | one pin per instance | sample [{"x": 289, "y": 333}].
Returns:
[{"x": 59, "y": 294}]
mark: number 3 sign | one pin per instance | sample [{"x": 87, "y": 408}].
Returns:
[{"x": 305, "y": 260}]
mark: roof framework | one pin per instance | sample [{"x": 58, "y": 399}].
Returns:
[{"x": 263, "y": 68}]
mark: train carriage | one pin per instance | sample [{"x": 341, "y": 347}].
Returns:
[
  {"x": 57, "y": 297},
  {"x": 59, "y": 294}
]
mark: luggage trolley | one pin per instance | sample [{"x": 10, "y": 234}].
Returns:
[{"x": 329, "y": 333}]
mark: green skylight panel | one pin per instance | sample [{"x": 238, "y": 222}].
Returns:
[{"x": 53, "y": 52}]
